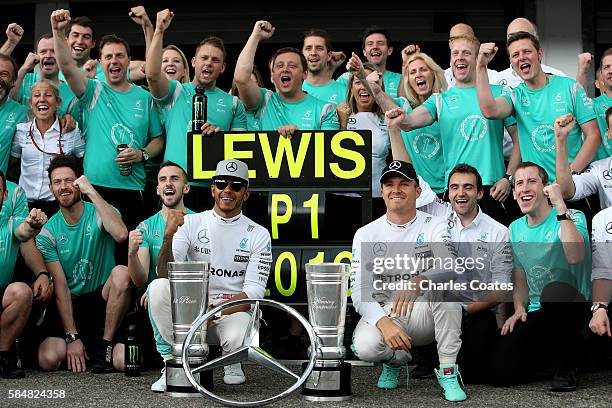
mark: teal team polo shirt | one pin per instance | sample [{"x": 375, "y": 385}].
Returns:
[{"x": 11, "y": 113}]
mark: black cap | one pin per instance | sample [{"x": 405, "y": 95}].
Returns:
[{"x": 399, "y": 168}]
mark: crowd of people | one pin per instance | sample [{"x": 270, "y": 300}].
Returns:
[{"x": 460, "y": 156}]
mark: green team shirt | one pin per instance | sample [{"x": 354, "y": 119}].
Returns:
[
  {"x": 9, "y": 248},
  {"x": 601, "y": 104},
  {"x": 310, "y": 113},
  {"x": 424, "y": 146},
  {"x": 152, "y": 237},
  {"x": 69, "y": 100},
  {"x": 16, "y": 203},
  {"x": 333, "y": 92},
  {"x": 535, "y": 111},
  {"x": 111, "y": 118},
  {"x": 223, "y": 110},
  {"x": 467, "y": 136},
  {"x": 85, "y": 250},
  {"x": 11, "y": 113},
  {"x": 391, "y": 80},
  {"x": 545, "y": 263},
  {"x": 99, "y": 73}
]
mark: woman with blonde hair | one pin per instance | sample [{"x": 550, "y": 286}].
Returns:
[
  {"x": 174, "y": 64},
  {"x": 422, "y": 77}
]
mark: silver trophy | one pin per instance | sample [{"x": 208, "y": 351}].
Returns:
[
  {"x": 327, "y": 288},
  {"x": 189, "y": 299}
]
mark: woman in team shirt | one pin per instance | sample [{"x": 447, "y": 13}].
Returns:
[
  {"x": 38, "y": 141},
  {"x": 175, "y": 65},
  {"x": 421, "y": 77}
]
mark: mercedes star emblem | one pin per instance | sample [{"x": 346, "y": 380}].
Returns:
[{"x": 231, "y": 166}]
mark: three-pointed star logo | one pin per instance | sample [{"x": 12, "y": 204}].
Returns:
[
  {"x": 395, "y": 165},
  {"x": 231, "y": 166},
  {"x": 379, "y": 249}
]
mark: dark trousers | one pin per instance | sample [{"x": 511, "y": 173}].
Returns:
[
  {"x": 478, "y": 338},
  {"x": 130, "y": 204},
  {"x": 548, "y": 339}
]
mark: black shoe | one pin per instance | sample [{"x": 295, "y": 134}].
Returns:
[
  {"x": 564, "y": 381},
  {"x": 422, "y": 371},
  {"x": 9, "y": 368},
  {"x": 102, "y": 359}
]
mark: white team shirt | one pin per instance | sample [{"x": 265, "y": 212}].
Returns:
[
  {"x": 429, "y": 203},
  {"x": 597, "y": 178},
  {"x": 34, "y": 163},
  {"x": 238, "y": 250},
  {"x": 423, "y": 230},
  {"x": 380, "y": 142},
  {"x": 484, "y": 239},
  {"x": 601, "y": 239}
]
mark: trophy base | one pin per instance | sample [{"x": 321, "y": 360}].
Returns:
[
  {"x": 328, "y": 383},
  {"x": 177, "y": 384}
]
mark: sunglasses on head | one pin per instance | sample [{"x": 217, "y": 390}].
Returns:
[{"x": 235, "y": 185}]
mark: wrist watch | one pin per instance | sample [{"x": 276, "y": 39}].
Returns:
[
  {"x": 72, "y": 337},
  {"x": 145, "y": 155},
  {"x": 598, "y": 306},
  {"x": 47, "y": 274},
  {"x": 565, "y": 216}
]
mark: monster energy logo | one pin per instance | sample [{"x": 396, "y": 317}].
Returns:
[{"x": 133, "y": 355}]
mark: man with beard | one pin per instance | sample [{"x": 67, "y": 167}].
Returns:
[
  {"x": 115, "y": 113},
  {"x": 44, "y": 65},
  {"x": 479, "y": 142},
  {"x": 15, "y": 297},
  {"x": 536, "y": 103},
  {"x": 289, "y": 108},
  {"x": 317, "y": 50},
  {"x": 224, "y": 111},
  {"x": 91, "y": 292},
  {"x": 552, "y": 271},
  {"x": 11, "y": 112},
  {"x": 239, "y": 253}
]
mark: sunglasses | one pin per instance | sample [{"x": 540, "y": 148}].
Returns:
[{"x": 235, "y": 185}]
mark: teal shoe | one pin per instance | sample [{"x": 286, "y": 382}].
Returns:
[
  {"x": 389, "y": 377},
  {"x": 450, "y": 380}
]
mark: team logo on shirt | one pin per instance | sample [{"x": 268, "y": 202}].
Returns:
[
  {"x": 307, "y": 115},
  {"x": 138, "y": 105},
  {"x": 474, "y": 127},
  {"x": 352, "y": 120},
  {"x": 83, "y": 270},
  {"x": 243, "y": 243},
  {"x": 558, "y": 98},
  {"x": 549, "y": 235},
  {"x": 11, "y": 117},
  {"x": 525, "y": 101},
  {"x": 609, "y": 228},
  {"x": 121, "y": 134},
  {"x": 202, "y": 236},
  {"x": 484, "y": 236},
  {"x": 332, "y": 98},
  {"x": 379, "y": 249},
  {"x": 543, "y": 138},
  {"x": 426, "y": 145},
  {"x": 63, "y": 239},
  {"x": 420, "y": 238},
  {"x": 606, "y": 175}
]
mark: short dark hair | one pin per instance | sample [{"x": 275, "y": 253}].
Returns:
[
  {"x": 3, "y": 182},
  {"x": 375, "y": 30},
  {"x": 287, "y": 50},
  {"x": 606, "y": 53},
  {"x": 113, "y": 39},
  {"x": 464, "y": 168},
  {"x": 66, "y": 160},
  {"x": 169, "y": 163},
  {"x": 45, "y": 36},
  {"x": 11, "y": 60},
  {"x": 608, "y": 114},
  {"x": 523, "y": 35},
  {"x": 215, "y": 42},
  {"x": 527, "y": 164},
  {"x": 318, "y": 32},
  {"x": 82, "y": 21}
]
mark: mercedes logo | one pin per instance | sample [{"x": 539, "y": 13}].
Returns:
[
  {"x": 609, "y": 228},
  {"x": 379, "y": 249},
  {"x": 395, "y": 165},
  {"x": 231, "y": 166},
  {"x": 202, "y": 236},
  {"x": 607, "y": 175}
]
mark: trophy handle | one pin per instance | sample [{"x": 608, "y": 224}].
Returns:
[{"x": 248, "y": 351}]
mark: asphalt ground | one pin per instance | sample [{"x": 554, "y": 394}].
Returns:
[{"x": 116, "y": 390}]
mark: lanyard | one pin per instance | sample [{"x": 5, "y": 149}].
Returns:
[{"x": 61, "y": 150}]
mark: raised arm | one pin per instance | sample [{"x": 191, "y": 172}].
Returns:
[
  {"x": 14, "y": 32},
  {"x": 28, "y": 66},
  {"x": 111, "y": 220},
  {"x": 31, "y": 226},
  {"x": 398, "y": 148},
  {"x": 249, "y": 90},
  {"x": 158, "y": 83},
  {"x": 74, "y": 77},
  {"x": 584, "y": 63},
  {"x": 592, "y": 142},
  {"x": 175, "y": 219},
  {"x": 563, "y": 126},
  {"x": 491, "y": 108},
  {"x": 138, "y": 259},
  {"x": 571, "y": 238},
  {"x": 371, "y": 83}
]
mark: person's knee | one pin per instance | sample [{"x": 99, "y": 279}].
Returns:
[
  {"x": 368, "y": 348},
  {"x": 233, "y": 336},
  {"x": 120, "y": 278},
  {"x": 49, "y": 359},
  {"x": 19, "y": 294},
  {"x": 158, "y": 289}
]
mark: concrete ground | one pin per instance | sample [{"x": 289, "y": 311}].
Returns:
[{"x": 116, "y": 390}]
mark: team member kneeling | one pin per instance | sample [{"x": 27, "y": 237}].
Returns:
[{"x": 389, "y": 328}]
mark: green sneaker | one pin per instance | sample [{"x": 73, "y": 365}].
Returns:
[
  {"x": 389, "y": 377},
  {"x": 450, "y": 380}
]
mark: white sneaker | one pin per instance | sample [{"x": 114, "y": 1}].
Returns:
[
  {"x": 233, "y": 374},
  {"x": 160, "y": 384}
]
